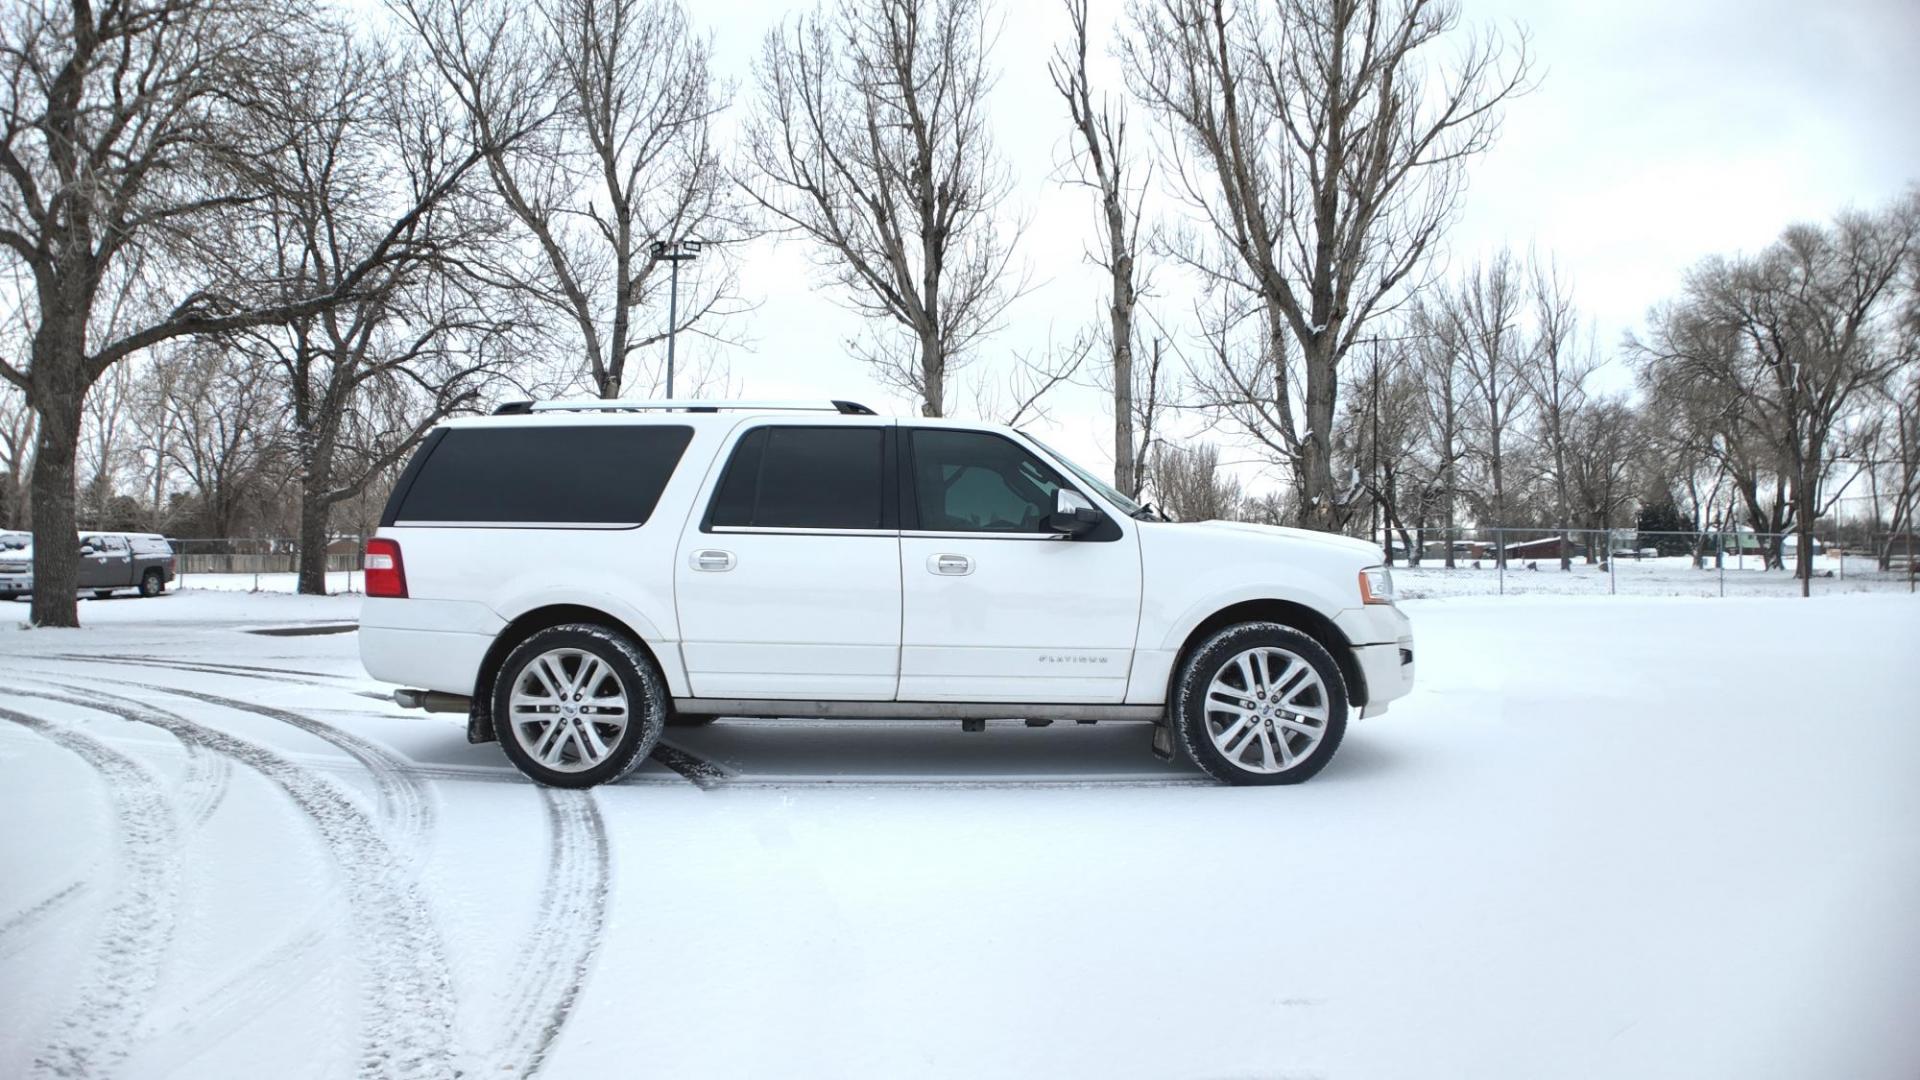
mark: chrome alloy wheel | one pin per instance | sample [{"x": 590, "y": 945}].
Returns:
[
  {"x": 1266, "y": 710},
  {"x": 569, "y": 709}
]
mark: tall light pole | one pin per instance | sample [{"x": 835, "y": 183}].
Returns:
[{"x": 675, "y": 252}]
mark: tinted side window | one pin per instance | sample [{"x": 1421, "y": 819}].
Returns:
[
  {"x": 600, "y": 475},
  {"x": 805, "y": 478},
  {"x": 970, "y": 481}
]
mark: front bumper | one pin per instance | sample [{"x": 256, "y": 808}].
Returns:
[{"x": 1388, "y": 670}]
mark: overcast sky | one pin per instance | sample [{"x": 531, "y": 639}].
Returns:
[{"x": 1660, "y": 132}]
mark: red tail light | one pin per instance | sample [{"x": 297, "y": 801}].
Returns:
[{"x": 386, "y": 574}]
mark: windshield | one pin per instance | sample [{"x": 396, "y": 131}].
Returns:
[{"x": 1127, "y": 506}]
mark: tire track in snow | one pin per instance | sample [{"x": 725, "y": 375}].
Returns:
[
  {"x": 405, "y": 802},
  {"x": 204, "y": 786},
  {"x": 557, "y": 956},
  {"x": 14, "y": 928},
  {"x": 226, "y": 1008},
  {"x": 206, "y": 667},
  {"x": 122, "y": 976},
  {"x": 406, "y": 998}
]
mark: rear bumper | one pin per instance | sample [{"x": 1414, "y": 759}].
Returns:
[
  {"x": 442, "y": 660},
  {"x": 16, "y": 584},
  {"x": 1388, "y": 670}
]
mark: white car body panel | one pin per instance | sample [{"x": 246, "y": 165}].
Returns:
[
  {"x": 1033, "y": 618},
  {"x": 862, "y": 615}
]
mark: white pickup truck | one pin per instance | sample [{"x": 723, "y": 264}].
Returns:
[{"x": 575, "y": 575}]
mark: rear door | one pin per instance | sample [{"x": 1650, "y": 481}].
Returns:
[
  {"x": 103, "y": 560},
  {"x": 117, "y": 566},
  {"x": 995, "y": 607},
  {"x": 787, "y": 582}
]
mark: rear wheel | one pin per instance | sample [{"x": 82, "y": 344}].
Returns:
[
  {"x": 152, "y": 584},
  {"x": 1260, "y": 703},
  {"x": 578, "y": 705}
]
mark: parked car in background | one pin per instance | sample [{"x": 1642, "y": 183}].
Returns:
[
  {"x": 573, "y": 576},
  {"x": 109, "y": 563}
]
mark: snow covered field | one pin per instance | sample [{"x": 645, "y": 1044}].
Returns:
[
  {"x": 1612, "y": 837},
  {"x": 1672, "y": 576}
]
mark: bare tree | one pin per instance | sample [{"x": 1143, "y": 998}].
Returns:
[
  {"x": 1188, "y": 486},
  {"x": 17, "y": 423},
  {"x": 617, "y": 98},
  {"x": 1325, "y": 145},
  {"x": 1101, "y": 161},
  {"x": 1437, "y": 348},
  {"x": 124, "y": 156},
  {"x": 103, "y": 440},
  {"x": 1603, "y": 439},
  {"x": 1382, "y": 423},
  {"x": 359, "y": 123},
  {"x": 1794, "y": 341},
  {"x": 1555, "y": 376},
  {"x": 1486, "y": 310},
  {"x": 210, "y": 420},
  {"x": 1018, "y": 399},
  {"x": 870, "y": 139}
]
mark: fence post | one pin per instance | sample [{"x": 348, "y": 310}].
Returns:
[
  {"x": 1612, "y": 557},
  {"x": 1500, "y": 558},
  {"x": 1720, "y": 560}
]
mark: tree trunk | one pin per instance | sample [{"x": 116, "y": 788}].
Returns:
[
  {"x": 1123, "y": 477},
  {"x": 1322, "y": 510},
  {"x": 56, "y": 552},
  {"x": 313, "y": 545},
  {"x": 933, "y": 375},
  {"x": 315, "y": 509}
]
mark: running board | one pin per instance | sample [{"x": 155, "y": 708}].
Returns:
[{"x": 778, "y": 709}]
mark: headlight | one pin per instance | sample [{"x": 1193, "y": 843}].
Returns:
[{"x": 1376, "y": 585}]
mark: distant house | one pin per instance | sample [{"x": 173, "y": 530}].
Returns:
[
  {"x": 1545, "y": 548},
  {"x": 1462, "y": 549}
]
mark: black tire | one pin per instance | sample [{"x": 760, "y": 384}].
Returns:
[
  {"x": 1211, "y": 658},
  {"x": 645, "y": 691},
  {"x": 102, "y": 594},
  {"x": 152, "y": 584}
]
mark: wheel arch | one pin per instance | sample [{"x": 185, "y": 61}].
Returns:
[
  {"x": 480, "y": 709},
  {"x": 1287, "y": 613}
]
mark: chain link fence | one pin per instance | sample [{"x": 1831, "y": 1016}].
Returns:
[
  {"x": 262, "y": 564},
  {"x": 1615, "y": 562}
]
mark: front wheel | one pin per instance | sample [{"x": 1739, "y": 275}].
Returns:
[
  {"x": 578, "y": 705},
  {"x": 1260, "y": 703}
]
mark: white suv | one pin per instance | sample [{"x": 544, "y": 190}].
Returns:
[{"x": 574, "y": 576}]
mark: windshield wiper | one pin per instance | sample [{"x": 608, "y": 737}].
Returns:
[{"x": 1148, "y": 512}]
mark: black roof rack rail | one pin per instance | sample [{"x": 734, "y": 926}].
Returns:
[
  {"x": 514, "y": 408},
  {"x": 852, "y": 408}
]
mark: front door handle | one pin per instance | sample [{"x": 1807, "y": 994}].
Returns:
[
  {"x": 950, "y": 565},
  {"x": 712, "y": 560}
]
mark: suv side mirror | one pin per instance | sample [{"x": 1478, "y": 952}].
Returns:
[
  {"x": 1072, "y": 514},
  {"x": 86, "y": 549}
]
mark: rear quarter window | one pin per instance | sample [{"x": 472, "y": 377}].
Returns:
[{"x": 601, "y": 475}]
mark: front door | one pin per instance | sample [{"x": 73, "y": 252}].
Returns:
[
  {"x": 995, "y": 606},
  {"x": 787, "y": 581}
]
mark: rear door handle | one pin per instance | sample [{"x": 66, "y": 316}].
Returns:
[
  {"x": 950, "y": 565},
  {"x": 712, "y": 560}
]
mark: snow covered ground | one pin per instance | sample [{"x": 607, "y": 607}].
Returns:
[{"x": 1613, "y": 837}]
